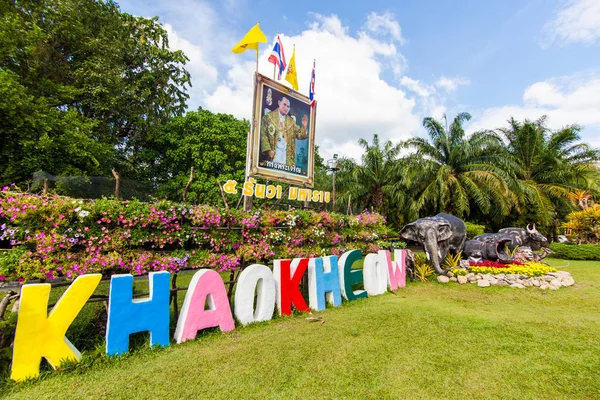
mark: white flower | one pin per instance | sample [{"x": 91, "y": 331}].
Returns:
[{"x": 83, "y": 214}]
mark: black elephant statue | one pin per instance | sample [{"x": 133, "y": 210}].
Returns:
[{"x": 438, "y": 235}]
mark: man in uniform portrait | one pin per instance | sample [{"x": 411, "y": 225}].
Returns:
[{"x": 278, "y": 134}]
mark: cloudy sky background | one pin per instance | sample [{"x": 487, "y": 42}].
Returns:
[{"x": 383, "y": 65}]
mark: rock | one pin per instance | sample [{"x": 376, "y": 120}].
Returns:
[
  {"x": 554, "y": 274},
  {"x": 470, "y": 274},
  {"x": 527, "y": 283},
  {"x": 450, "y": 274},
  {"x": 517, "y": 285},
  {"x": 500, "y": 276},
  {"x": 502, "y": 282},
  {"x": 535, "y": 282},
  {"x": 493, "y": 281},
  {"x": 483, "y": 283},
  {"x": 462, "y": 280},
  {"x": 568, "y": 281},
  {"x": 511, "y": 277},
  {"x": 478, "y": 277},
  {"x": 443, "y": 279},
  {"x": 453, "y": 279},
  {"x": 544, "y": 286},
  {"x": 547, "y": 278}
]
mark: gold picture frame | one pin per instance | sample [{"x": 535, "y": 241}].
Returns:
[{"x": 282, "y": 149}]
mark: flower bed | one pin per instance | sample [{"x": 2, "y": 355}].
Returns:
[
  {"x": 530, "y": 269},
  {"x": 52, "y": 236}
]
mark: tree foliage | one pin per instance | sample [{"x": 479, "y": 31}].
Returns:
[
  {"x": 548, "y": 167},
  {"x": 214, "y": 144},
  {"x": 454, "y": 173},
  {"x": 82, "y": 85},
  {"x": 374, "y": 183}
]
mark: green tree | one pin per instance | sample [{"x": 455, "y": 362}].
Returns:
[
  {"x": 214, "y": 144},
  {"x": 454, "y": 173},
  {"x": 548, "y": 167},
  {"x": 372, "y": 184},
  {"x": 82, "y": 85}
]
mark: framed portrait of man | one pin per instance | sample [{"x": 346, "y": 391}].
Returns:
[{"x": 283, "y": 134}]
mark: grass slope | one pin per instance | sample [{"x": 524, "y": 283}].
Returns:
[{"x": 425, "y": 341}]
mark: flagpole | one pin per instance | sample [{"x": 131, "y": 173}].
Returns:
[
  {"x": 274, "y": 63},
  {"x": 257, "y": 47}
]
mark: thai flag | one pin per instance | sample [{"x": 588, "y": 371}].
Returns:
[
  {"x": 277, "y": 57},
  {"x": 311, "y": 89}
]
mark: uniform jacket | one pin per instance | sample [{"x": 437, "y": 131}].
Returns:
[{"x": 270, "y": 134}]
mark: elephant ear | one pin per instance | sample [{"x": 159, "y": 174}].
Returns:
[
  {"x": 409, "y": 232},
  {"x": 444, "y": 232}
]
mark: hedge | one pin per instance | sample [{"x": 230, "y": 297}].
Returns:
[
  {"x": 53, "y": 236},
  {"x": 590, "y": 252}
]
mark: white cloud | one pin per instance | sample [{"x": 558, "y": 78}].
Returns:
[
  {"x": 384, "y": 24},
  {"x": 451, "y": 84},
  {"x": 433, "y": 97},
  {"x": 566, "y": 101},
  {"x": 204, "y": 74},
  {"x": 577, "y": 21},
  {"x": 416, "y": 86},
  {"x": 353, "y": 100}
]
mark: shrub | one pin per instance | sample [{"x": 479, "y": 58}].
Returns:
[
  {"x": 584, "y": 226},
  {"x": 53, "y": 236},
  {"x": 590, "y": 252},
  {"x": 423, "y": 268},
  {"x": 474, "y": 230},
  {"x": 452, "y": 261}
]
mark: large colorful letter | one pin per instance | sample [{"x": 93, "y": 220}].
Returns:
[
  {"x": 349, "y": 277},
  {"x": 127, "y": 316},
  {"x": 206, "y": 288},
  {"x": 375, "y": 272},
  {"x": 396, "y": 268},
  {"x": 260, "y": 280},
  {"x": 288, "y": 276},
  {"x": 41, "y": 335},
  {"x": 323, "y": 282}
]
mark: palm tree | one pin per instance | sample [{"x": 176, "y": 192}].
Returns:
[
  {"x": 548, "y": 166},
  {"x": 453, "y": 173},
  {"x": 371, "y": 184}
]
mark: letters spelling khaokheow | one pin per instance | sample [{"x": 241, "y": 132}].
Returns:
[{"x": 329, "y": 278}]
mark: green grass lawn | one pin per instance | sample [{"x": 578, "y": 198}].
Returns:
[{"x": 426, "y": 341}]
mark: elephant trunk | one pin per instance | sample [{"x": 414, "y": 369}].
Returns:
[{"x": 435, "y": 253}]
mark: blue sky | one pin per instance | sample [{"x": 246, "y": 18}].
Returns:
[{"x": 383, "y": 65}]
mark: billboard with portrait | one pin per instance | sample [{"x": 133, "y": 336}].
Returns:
[{"x": 283, "y": 134}]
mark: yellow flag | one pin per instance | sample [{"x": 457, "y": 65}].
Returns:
[
  {"x": 291, "y": 76},
  {"x": 250, "y": 40}
]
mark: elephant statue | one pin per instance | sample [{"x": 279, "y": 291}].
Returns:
[{"x": 438, "y": 235}]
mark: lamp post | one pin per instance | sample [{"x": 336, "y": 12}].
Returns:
[{"x": 332, "y": 166}]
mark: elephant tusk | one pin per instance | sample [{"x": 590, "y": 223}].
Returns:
[{"x": 428, "y": 256}]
